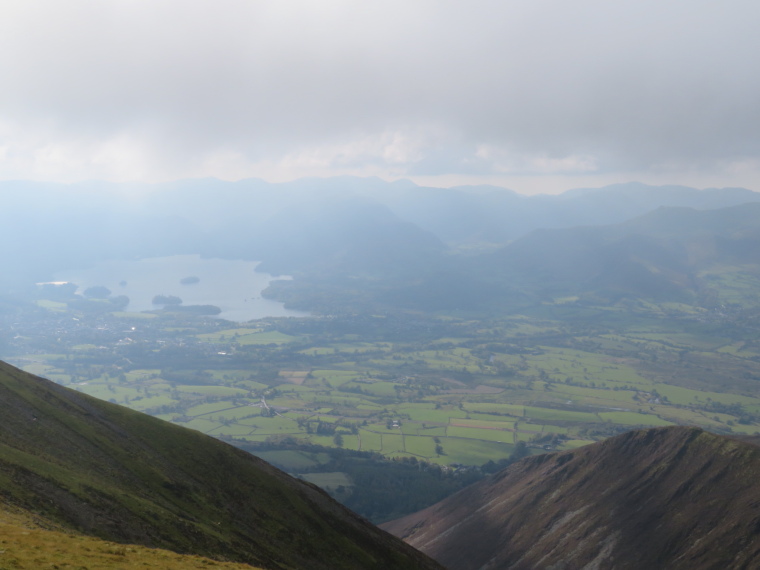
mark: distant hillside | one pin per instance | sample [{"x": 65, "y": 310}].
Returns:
[
  {"x": 659, "y": 255},
  {"x": 676, "y": 498},
  {"x": 353, "y": 236},
  {"x": 703, "y": 257},
  {"x": 73, "y": 462},
  {"x": 488, "y": 214},
  {"x": 363, "y": 244},
  {"x": 47, "y": 227}
]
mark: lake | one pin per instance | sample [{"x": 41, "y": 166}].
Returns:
[{"x": 232, "y": 285}]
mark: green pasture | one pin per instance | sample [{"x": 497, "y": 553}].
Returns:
[
  {"x": 491, "y": 408},
  {"x": 149, "y": 403},
  {"x": 201, "y": 425},
  {"x": 370, "y": 440},
  {"x": 682, "y": 416},
  {"x": 480, "y": 434},
  {"x": 432, "y": 431},
  {"x": 227, "y": 335},
  {"x": 551, "y": 428},
  {"x": 243, "y": 336},
  {"x": 223, "y": 391},
  {"x": 290, "y": 460},
  {"x": 255, "y": 437},
  {"x": 523, "y": 436},
  {"x": 413, "y": 428},
  {"x": 581, "y": 395},
  {"x": 208, "y": 408},
  {"x": 739, "y": 349},
  {"x": 232, "y": 430},
  {"x": 734, "y": 286},
  {"x": 600, "y": 393},
  {"x": 335, "y": 378},
  {"x": 563, "y": 415},
  {"x": 230, "y": 375},
  {"x": 484, "y": 422},
  {"x": 123, "y": 395},
  {"x": 633, "y": 418},
  {"x": 235, "y": 413},
  {"x": 472, "y": 452},
  {"x": 250, "y": 385},
  {"x": 141, "y": 374},
  {"x": 391, "y": 443},
  {"x": 746, "y": 429},
  {"x": 286, "y": 402},
  {"x": 420, "y": 446},
  {"x": 433, "y": 415},
  {"x": 684, "y": 340},
  {"x": 54, "y": 306},
  {"x": 380, "y": 389},
  {"x": 360, "y": 347},
  {"x": 679, "y": 395}
]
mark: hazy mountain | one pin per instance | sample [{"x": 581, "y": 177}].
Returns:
[
  {"x": 73, "y": 462},
  {"x": 489, "y": 214},
  {"x": 660, "y": 254},
  {"x": 363, "y": 238},
  {"x": 662, "y": 498},
  {"x": 328, "y": 236},
  {"x": 676, "y": 254}
]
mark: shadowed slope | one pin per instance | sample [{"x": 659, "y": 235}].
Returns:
[
  {"x": 104, "y": 470},
  {"x": 661, "y": 498}
]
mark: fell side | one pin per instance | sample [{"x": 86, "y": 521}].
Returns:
[
  {"x": 85, "y": 465},
  {"x": 673, "y": 497}
]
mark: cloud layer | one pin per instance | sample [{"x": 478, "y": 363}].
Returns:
[{"x": 488, "y": 90}]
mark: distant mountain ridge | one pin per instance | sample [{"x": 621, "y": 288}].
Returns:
[
  {"x": 676, "y": 498},
  {"x": 362, "y": 242},
  {"x": 659, "y": 254},
  {"x": 74, "y": 462}
]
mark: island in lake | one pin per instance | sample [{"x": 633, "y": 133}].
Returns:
[{"x": 191, "y": 280}]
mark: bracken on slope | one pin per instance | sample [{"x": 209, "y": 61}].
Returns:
[{"x": 675, "y": 497}]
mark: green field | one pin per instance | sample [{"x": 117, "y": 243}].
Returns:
[{"x": 472, "y": 387}]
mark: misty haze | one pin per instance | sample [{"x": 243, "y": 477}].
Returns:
[{"x": 354, "y": 285}]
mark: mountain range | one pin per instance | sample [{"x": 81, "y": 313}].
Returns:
[{"x": 360, "y": 229}]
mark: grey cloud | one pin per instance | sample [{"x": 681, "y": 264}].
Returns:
[{"x": 634, "y": 84}]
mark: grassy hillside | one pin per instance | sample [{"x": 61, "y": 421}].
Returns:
[
  {"x": 106, "y": 471},
  {"x": 25, "y": 546}
]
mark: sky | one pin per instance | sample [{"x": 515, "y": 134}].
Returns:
[{"x": 535, "y": 95}]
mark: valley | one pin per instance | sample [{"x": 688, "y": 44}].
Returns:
[
  {"x": 449, "y": 391},
  {"x": 426, "y": 337},
  {"x": 379, "y": 286}
]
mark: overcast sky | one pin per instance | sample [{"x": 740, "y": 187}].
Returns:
[{"x": 535, "y": 95}]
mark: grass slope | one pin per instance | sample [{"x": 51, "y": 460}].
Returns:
[
  {"x": 25, "y": 546},
  {"x": 106, "y": 471}
]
